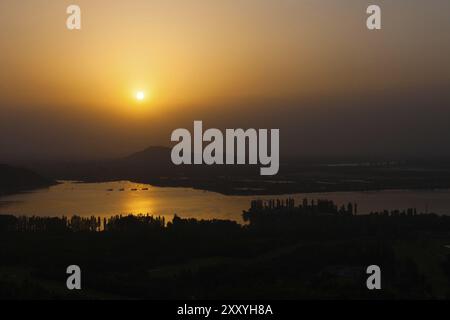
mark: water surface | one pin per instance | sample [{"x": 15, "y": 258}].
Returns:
[{"x": 123, "y": 197}]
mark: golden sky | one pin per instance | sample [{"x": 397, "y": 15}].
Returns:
[{"x": 209, "y": 58}]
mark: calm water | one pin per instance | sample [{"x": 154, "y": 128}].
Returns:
[{"x": 97, "y": 199}]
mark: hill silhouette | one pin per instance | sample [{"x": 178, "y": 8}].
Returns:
[
  {"x": 154, "y": 154},
  {"x": 153, "y": 165},
  {"x": 14, "y": 179}
]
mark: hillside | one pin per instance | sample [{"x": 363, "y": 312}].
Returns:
[{"x": 13, "y": 180}]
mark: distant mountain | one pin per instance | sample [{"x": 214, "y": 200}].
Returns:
[
  {"x": 151, "y": 162},
  {"x": 151, "y": 155},
  {"x": 154, "y": 166},
  {"x": 14, "y": 179},
  {"x": 155, "y": 163},
  {"x": 147, "y": 165}
]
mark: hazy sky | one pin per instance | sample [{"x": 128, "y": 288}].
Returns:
[{"x": 308, "y": 67}]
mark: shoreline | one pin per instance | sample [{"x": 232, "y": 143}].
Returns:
[
  {"x": 246, "y": 193},
  {"x": 242, "y": 191}
]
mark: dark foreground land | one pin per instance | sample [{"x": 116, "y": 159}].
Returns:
[{"x": 285, "y": 251}]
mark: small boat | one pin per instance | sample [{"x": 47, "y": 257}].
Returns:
[
  {"x": 122, "y": 189},
  {"x": 134, "y": 189},
  {"x": 110, "y": 190},
  {"x": 144, "y": 189}
]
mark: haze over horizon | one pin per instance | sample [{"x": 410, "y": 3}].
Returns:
[{"x": 310, "y": 68}]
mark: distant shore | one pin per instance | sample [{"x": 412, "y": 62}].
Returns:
[{"x": 255, "y": 188}]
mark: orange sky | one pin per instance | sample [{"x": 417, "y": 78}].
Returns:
[{"x": 208, "y": 58}]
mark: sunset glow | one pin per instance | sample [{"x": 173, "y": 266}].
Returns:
[
  {"x": 140, "y": 95},
  {"x": 130, "y": 65}
]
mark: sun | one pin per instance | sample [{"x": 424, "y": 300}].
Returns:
[{"x": 140, "y": 95}]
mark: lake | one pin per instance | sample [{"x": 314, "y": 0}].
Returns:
[{"x": 123, "y": 197}]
